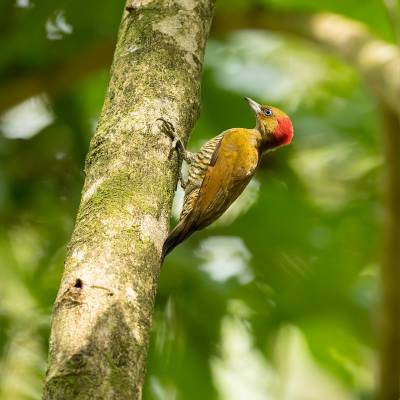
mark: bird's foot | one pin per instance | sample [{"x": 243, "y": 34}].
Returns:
[
  {"x": 182, "y": 180},
  {"x": 177, "y": 143},
  {"x": 169, "y": 130}
]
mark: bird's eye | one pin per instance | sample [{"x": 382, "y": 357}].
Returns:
[{"x": 268, "y": 112}]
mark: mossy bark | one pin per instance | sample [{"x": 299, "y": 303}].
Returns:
[{"x": 103, "y": 311}]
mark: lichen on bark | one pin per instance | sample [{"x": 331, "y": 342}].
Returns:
[{"x": 102, "y": 314}]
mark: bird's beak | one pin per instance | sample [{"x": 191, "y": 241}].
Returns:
[{"x": 253, "y": 105}]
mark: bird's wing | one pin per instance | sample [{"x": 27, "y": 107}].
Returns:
[
  {"x": 217, "y": 178},
  {"x": 197, "y": 170},
  {"x": 203, "y": 158},
  {"x": 233, "y": 165}
]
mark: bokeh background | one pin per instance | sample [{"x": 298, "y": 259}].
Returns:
[{"x": 278, "y": 299}]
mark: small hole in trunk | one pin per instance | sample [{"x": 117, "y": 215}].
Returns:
[{"x": 78, "y": 284}]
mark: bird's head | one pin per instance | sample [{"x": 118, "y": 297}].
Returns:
[{"x": 274, "y": 125}]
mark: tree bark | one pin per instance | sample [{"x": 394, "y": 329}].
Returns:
[{"x": 102, "y": 314}]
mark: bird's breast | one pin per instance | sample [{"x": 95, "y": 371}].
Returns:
[{"x": 242, "y": 153}]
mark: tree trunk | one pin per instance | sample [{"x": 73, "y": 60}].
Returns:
[{"x": 102, "y": 315}]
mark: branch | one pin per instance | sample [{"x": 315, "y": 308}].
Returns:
[
  {"x": 59, "y": 78},
  {"x": 376, "y": 60},
  {"x": 390, "y": 271},
  {"x": 103, "y": 311},
  {"x": 392, "y": 10}
]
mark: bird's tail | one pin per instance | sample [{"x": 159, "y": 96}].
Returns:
[{"x": 181, "y": 232}]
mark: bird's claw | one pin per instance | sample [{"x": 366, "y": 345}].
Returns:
[
  {"x": 174, "y": 146},
  {"x": 182, "y": 181},
  {"x": 169, "y": 129}
]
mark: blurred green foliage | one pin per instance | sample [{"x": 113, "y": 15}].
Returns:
[{"x": 277, "y": 299}]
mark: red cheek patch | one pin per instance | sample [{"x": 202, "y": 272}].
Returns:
[{"x": 284, "y": 131}]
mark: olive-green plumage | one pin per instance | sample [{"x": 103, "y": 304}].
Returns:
[{"x": 223, "y": 167}]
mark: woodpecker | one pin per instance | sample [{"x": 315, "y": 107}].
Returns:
[{"x": 223, "y": 167}]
